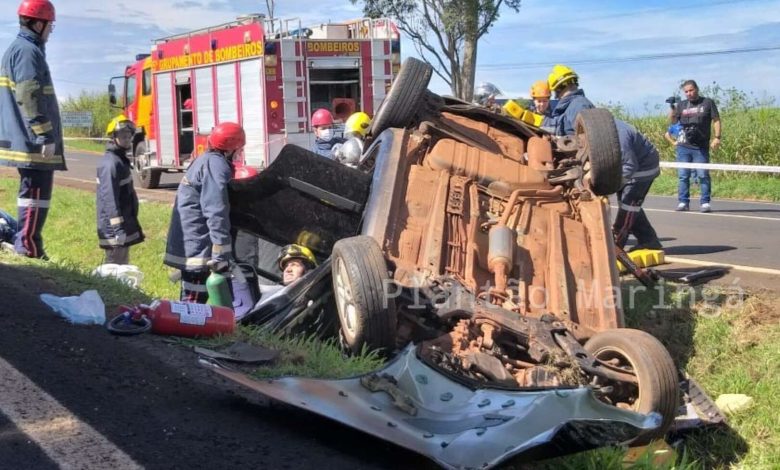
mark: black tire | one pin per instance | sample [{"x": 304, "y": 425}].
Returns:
[
  {"x": 642, "y": 354},
  {"x": 147, "y": 179},
  {"x": 403, "y": 100},
  {"x": 359, "y": 275},
  {"x": 596, "y": 131}
]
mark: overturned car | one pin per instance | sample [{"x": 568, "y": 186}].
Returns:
[{"x": 476, "y": 252}]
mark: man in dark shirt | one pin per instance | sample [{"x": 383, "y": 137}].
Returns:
[{"x": 696, "y": 115}]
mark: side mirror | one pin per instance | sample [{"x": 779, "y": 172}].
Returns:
[{"x": 112, "y": 94}]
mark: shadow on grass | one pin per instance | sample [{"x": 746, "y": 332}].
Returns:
[
  {"x": 39, "y": 277},
  {"x": 671, "y": 313}
]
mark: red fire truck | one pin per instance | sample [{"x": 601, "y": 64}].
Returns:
[{"x": 267, "y": 75}]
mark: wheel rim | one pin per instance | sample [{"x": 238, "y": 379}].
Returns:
[
  {"x": 626, "y": 396},
  {"x": 345, "y": 301}
]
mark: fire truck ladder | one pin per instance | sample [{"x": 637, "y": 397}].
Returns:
[{"x": 294, "y": 89}]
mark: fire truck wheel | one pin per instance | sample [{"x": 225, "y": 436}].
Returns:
[
  {"x": 403, "y": 100},
  {"x": 147, "y": 179},
  {"x": 639, "y": 353},
  {"x": 366, "y": 315},
  {"x": 600, "y": 150}
]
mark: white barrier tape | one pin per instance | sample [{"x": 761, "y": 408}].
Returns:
[
  {"x": 722, "y": 166},
  {"x": 100, "y": 139}
]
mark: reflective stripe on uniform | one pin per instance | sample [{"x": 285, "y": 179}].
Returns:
[
  {"x": 24, "y": 157},
  {"x": 27, "y": 202},
  {"x": 48, "y": 90},
  {"x": 115, "y": 242},
  {"x": 7, "y": 83},
  {"x": 125, "y": 181},
  {"x": 628, "y": 208},
  {"x": 42, "y": 128},
  {"x": 116, "y": 220},
  {"x": 189, "y": 262},
  {"x": 193, "y": 287},
  {"x": 221, "y": 249}
]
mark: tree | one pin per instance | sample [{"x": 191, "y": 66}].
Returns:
[{"x": 444, "y": 32}]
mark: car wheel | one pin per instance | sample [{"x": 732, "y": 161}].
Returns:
[
  {"x": 642, "y": 355},
  {"x": 359, "y": 275},
  {"x": 148, "y": 179},
  {"x": 403, "y": 100},
  {"x": 600, "y": 150}
]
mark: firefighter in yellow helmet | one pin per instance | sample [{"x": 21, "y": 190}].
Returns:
[
  {"x": 117, "y": 203},
  {"x": 355, "y": 131},
  {"x": 295, "y": 261},
  {"x": 540, "y": 94},
  {"x": 564, "y": 81}
]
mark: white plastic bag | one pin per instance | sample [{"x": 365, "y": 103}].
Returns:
[
  {"x": 85, "y": 309},
  {"x": 127, "y": 273}
]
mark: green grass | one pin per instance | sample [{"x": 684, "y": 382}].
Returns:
[
  {"x": 88, "y": 145},
  {"x": 746, "y": 187},
  {"x": 70, "y": 235},
  {"x": 728, "y": 348}
]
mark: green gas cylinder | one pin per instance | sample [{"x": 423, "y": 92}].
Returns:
[{"x": 219, "y": 290}]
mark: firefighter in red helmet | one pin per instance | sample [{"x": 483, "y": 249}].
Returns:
[
  {"x": 199, "y": 235},
  {"x": 30, "y": 135},
  {"x": 325, "y": 141}
]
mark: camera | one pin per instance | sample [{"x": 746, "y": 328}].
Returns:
[{"x": 672, "y": 100}]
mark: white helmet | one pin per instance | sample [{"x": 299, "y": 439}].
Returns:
[
  {"x": 350, "y": 152},
  {"x": 484, "y": 92}
]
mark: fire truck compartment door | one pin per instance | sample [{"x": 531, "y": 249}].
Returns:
[
  {"x": 253, "y": 112},
  {"x": 334, "y": 63},
  {"x": 166, "y": 136}
]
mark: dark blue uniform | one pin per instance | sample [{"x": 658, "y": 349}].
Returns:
[
  {"x": 562, "y": 117},
  {"x": 325, "y": 147},
  {"x": 640, "y": 169},
  {"x": 117, "y": 206},
  {"x": 29, "y": 118},
  {"x": 200, "y": 225}
]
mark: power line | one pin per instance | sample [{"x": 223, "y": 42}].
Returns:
[{"x": 614, "y": 60}]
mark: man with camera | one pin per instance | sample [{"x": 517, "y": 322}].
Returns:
[{"x": 697, "y": 115}]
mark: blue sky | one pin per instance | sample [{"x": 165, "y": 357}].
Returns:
[{"x": 95, "y": 39}]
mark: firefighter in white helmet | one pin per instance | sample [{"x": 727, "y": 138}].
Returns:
[{"x": 485, "y": 94}]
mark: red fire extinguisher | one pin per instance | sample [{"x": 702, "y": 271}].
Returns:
[{"x": 173, "y": 318}]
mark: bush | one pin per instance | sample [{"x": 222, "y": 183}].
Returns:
[{"x": 97, "y": 103}]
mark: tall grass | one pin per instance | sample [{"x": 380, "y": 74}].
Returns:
[{"x": 95, "y": 102}]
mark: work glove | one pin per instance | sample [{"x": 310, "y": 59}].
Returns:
[
  {"x": 47, "y": 151},
  {"x": 219, "y": 265}
]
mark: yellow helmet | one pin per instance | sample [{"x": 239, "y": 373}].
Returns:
[
  {"x": 358, "y": 123},
  {"x": 296, "y": 252},
  {"x": 540, "y": 89},
  {"x": 560, "y": 76},
  {"x": 118, "y": 123}
]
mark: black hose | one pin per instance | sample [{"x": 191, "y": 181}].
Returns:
[{"x": 125, "y": 325}]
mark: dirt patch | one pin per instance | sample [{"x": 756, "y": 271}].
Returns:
[{"x": 759, "y": 313}]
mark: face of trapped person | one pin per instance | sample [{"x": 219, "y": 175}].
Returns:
[{"x": 293, "y": 270}]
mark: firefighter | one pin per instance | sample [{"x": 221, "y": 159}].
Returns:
[
  {"x": 199, "y": 235},
  {"x": 540, "y": 94},
  {"x": 117, "y": 203},
  {"x": 325, "y": 142},
  {"x": 571, "y": 100},
  {"x": 30, "y": 133},
  {"x": 640, "y": 168},
  {"x": 485, "y": 95},
  {"x": 295, "y": 261},
  {"x": 355, "y": 129}
]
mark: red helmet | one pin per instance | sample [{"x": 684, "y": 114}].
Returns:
[
  {"x": 227, "y": 136},
  {"x": 321, "y": 117},
  {"x": 244, "y": 172},
  {"x": 38, "y": 9}
]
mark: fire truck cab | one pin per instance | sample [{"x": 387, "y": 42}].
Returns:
[{"x": 267, "y": 75}]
